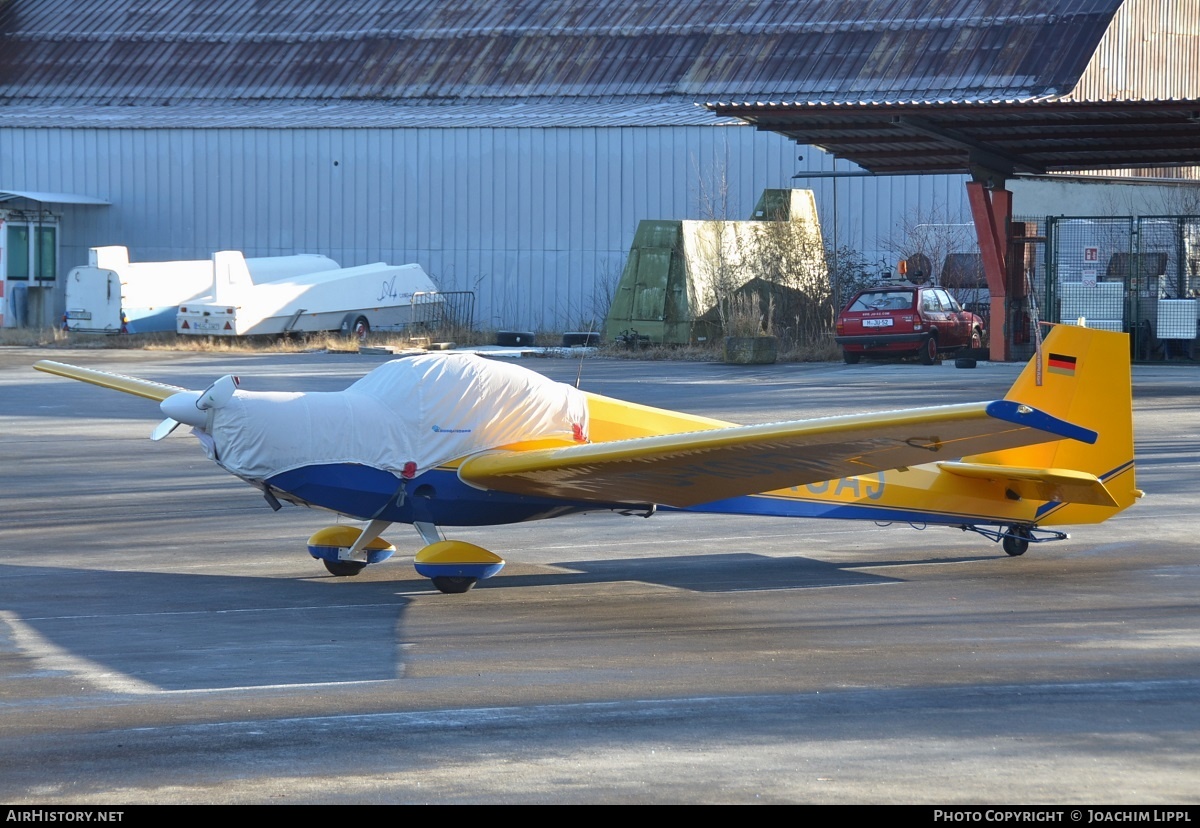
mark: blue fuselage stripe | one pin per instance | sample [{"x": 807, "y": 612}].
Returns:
[
  {"x": 439, "y": 497},
  {"x": 769, "y": 506}
]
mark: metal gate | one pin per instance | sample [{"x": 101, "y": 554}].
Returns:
[
  {"x": 1139, "y": 276},
  {"x": 1165, "y": 287}
]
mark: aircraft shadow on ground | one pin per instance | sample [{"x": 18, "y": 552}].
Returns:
[
  {"x": 733, "y": 572},
  {"x": 198, "y": 632},
  {"x": 187, "y": 632}
]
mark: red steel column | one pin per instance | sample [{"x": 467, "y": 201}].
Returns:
[{"x": 992, "y": 212}]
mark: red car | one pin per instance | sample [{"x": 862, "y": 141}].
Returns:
[{"x": 905, "y": 319}]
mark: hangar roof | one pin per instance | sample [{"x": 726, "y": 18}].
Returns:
[
  {"x": 127, "y": 51},
  {"x": 895, "y": 85},
  {"x": 114, "y": 62}
]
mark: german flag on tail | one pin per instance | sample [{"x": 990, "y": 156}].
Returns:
[{"x": 1061, "y": 364}]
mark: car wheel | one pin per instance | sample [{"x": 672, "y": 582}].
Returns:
[
  {"x": 976, "y": 339},
  {"x": 851, "y": 358},
  {"x": 929, "y": 351},
  {"x": 964, "y": 362}
]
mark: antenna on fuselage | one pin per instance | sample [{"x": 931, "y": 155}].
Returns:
[{"x": 586, "y": 339}]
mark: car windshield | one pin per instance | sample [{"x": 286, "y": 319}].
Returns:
[{"x": 883, "y": 300}]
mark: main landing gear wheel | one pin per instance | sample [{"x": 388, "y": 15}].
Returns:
[
  {"x": 456, "y": 566},
  {"x": 453, "y": 585},
  {"x": 333, "y": 546},
  {"x": 344, "y": 568},
  {"x": 1017, "y": 540}
]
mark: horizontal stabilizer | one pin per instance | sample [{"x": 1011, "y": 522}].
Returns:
[
  {"x": 156, "y": 391},
  {"x": 1055, "y": 485},
  {"x": 688, "y": 469}
]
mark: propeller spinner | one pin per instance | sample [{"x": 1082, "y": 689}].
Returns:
[{"x": 193, "y": 407}]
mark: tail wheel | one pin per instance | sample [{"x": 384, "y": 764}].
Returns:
[
  {"x": 1017, "y": 540},
  {"x": 929, "y": 351}
]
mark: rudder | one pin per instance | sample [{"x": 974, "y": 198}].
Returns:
[{"x": 1084, "y": 376}]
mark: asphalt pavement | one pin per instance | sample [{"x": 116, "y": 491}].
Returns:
[{"x": 166, "y": 639}]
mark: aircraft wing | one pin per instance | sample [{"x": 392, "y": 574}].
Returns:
[
  {"x": 699, "y": 467},
  {"x": 148, "y": 389}
]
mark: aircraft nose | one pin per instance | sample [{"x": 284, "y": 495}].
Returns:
[{"x": 182, "y": 408}]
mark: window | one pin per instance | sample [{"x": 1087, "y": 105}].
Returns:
[
  {"x": 32, "y": 252},
  {"x": 881, "y": 300},
  {"x": 45, "y": 258},
  {"x": 18, "y": 251}
]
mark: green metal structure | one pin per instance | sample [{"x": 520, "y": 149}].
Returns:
[{"x": 677, "y": 269}]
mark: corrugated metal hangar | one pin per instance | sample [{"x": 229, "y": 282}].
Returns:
[{"x": 512, "y": 148}]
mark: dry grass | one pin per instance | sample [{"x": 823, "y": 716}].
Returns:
[
  {"x": 166, "y": 341},
  {"x": 680, "y": 353},
  {"x": 789, "y": 351},
  {"x": 823, "y": 351}
]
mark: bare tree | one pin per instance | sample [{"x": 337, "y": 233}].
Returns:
[
  {"x": 924, "y": 239},
  {"x": 790, "y": 270}
]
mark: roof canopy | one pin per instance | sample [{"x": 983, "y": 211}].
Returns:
[
  {"x": 986, "y": 138},
  {"x": 51, "y": 198}
]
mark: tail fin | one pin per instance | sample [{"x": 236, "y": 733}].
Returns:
[
  {"x": 231, "y": 276},
  {"x": 1083, "y": 376}
]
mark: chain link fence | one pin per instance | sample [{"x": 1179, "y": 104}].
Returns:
[{"x": 1140, "y": 276}]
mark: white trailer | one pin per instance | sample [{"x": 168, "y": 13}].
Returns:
[
  {"x": 113, "y": 295},
  {"x": 353, "y": 301}
]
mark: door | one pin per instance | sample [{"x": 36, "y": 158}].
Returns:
[
  {"x": 93, "y": 297},
  {"x": 28, "y": 269}
]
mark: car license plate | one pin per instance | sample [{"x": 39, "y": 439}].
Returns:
[
  {"x": 877, "y": 323},
  {"x": 206, "y": 325}
]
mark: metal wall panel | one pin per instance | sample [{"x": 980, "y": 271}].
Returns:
[
  {"x": 538, "y": 222},
  {"x": 1151, "y": 51}
]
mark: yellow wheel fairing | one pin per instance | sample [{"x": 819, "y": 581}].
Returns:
[
  {"x": 457, "y": 559},
  {"x": 456, "y": 552},
  {"x": 344, "y": 536},
  {"x": 328, "y": 543}
]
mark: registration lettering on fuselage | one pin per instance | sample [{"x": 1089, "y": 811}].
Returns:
[{"x": 869, "y": 486}]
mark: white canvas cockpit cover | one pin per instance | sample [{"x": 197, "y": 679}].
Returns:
[{"x": 406, "y": 416}]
